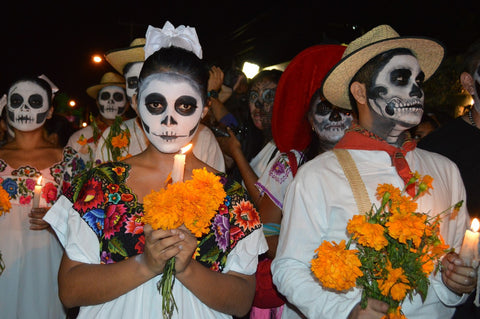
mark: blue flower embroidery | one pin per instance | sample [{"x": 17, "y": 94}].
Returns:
[
  {"x": 95, "y": 219},
  {"x": 10, "y": 187}
]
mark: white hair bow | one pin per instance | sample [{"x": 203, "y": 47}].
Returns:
[
  {"x": 52, "y": 85},
  {"x": 183, "y": 37}
]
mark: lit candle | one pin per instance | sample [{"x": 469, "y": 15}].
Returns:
[
  {"x": 469, "y": 250},
  {"x": 179, "y": 165},
  {"x": 37, "y": 192}
]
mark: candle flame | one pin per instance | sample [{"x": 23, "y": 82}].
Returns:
[
  {"x": 475, "y": 225},
  {"x": 39, "y": 180},
  {"x": 185, "y": 149}
]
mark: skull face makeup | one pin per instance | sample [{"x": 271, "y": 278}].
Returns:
[
  {"x": 262, "y": 95},
  {"x": 111, "y": 101},
  {"x": 27, "y": 106},
  {"x": 396, "y": 92},
  {"x": 170, "y": 107},
  {"x": 131, "y": 78},
  {"x": 329, "y": 122}
]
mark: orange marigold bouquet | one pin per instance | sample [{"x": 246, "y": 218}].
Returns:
[
  {"x": 396, "y": 249},
  {"x": 193, "y": 203},
  {"x": 5, "y": 207}
]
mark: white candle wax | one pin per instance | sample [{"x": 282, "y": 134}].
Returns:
[
  {"x": 469, "y": 250},
  {"x": 178, "y": 168},
  {"x": 37, "y": 192}
]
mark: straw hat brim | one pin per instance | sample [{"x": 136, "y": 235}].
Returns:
[
  {"x": 93, "y": 90},
  {"x": 336, "y": 87},
  {"x": 118, "y": 58}
]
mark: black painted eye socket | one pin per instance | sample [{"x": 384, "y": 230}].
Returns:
[
  {"x": 420, "y": 79},
  {"x": 35, "y": 101},
  {"x": 132, "y": 82},
  {"x": 400, "y": 77},
  {"x": 117, "y": 96},
  {"x": 16, "y": 100},
  {"x": 155, "y": 103},
  {"x": 268, "y": 96},
  {"x": 186, "y": 105},
  {"x": 105, "y": 96},
  {"x": 324, "y": 108},
  {"x": 253, "y": 97}
]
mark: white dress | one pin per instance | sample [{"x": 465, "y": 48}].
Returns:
[
  {"x": 82, "y": 244},
  {"x": 28, "y": 285},
  {"x": 317, "y": 206}
]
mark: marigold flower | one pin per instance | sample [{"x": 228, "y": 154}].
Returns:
[
  {"x": 82, "y": 140},
  {"x": 394, "y": 313},
  {"x": 193, "y": 203},
  {"x": 5, "y": 204},
  {"x": 368, "y": 234},
  {"x": 120, "y": 141},
  {"x": 395, "y": 284},
  {"x": 336, "y": 267},
  {"x": 407, "y": 226},
  {"x": 388, "y": 188},
  {"x": 404, "y": 204},
  {"x": 425, "y": 184}
]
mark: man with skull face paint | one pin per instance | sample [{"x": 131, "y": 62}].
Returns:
[
  {"x": 381, "y": 75},
  {"x": 217, "y": 281},
  {"x": 111, "y": 101},
  {"x": 30, "y": 250},
  {"x": 129, "y": 61}
]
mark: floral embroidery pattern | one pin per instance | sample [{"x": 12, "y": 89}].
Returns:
[
  {"x": 280, "y": 170},
  {"x": 113, "y": 212},
  {"x": 20, "y": 183}
]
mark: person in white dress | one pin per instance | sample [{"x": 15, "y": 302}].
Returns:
[
  {"x": 30, "y": 250},
  {"x": 113, "y": 261}
]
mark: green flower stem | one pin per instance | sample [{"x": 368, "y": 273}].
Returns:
[{"x": 165, "y": 287}]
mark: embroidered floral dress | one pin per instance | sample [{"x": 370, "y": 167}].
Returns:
[
  {"x": 99, "y": 221},
  {"x": 28, "y": 286}
]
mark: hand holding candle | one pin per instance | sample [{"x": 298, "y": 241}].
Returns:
[
  {"x": 37, "y": 192},
  {"x": 179, "y": 165},
  {"x": 469, "y": 250}
]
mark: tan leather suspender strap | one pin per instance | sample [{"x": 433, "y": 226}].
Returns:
[{"x": 356, "y": 183}]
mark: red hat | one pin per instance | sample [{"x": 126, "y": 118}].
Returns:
[{"x": 302, "y": 77}]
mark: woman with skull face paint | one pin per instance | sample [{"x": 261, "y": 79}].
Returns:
[
  {"x": 30, "y": 249},
  {"x": 113, "y": 270},
  {"x": 381, "y": 74},
  {"x": 304, "y": 124},
  {"x": 128, "y": 62},
  {"x": 257, "y": 148}
]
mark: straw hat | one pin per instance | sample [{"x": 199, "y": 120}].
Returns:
[
  {"x": 108, "y": 79},
  {"x": 302, "y": 77},
  {"x": 336, "y": 87},
  {"x": 118, "y": 58}
]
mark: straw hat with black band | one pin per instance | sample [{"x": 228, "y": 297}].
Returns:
[
  {"x": 118, "y": 58},
  {"x": 336, "y": 86},
  {"x": 108, "y": 79}
]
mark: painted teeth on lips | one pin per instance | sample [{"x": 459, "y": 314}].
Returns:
[{"x": 399, "y": 104}]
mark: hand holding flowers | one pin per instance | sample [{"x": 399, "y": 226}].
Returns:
[
  {"x": 191, "y": 206},
  {"x": 396, "y": 249}
]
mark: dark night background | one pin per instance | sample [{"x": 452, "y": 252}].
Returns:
[{"x": 59, "y": 38}]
